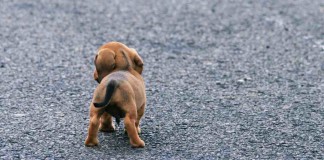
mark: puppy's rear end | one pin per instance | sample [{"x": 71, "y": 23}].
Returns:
[{"x": 121, "y": 95}]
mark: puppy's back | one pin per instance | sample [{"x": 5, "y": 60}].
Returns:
[{"x": 118, "y": 87}]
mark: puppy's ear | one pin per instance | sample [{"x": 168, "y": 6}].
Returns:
[
  {"x": 95, "y": 73},
  {"x": 104, "y": 62},
  {"x": 95, "y": 58},
  {"x": 139, "y": 64}
]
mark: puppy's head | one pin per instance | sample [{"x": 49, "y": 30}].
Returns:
[{"x": 116, "y": 56}]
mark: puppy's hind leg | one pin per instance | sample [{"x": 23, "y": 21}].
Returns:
[
  {"x": 106, "y": 123},
  {"x": 129, "y": 121},
  {"x": 140, "y": 113},
  {"x": 92, "y": 138}
]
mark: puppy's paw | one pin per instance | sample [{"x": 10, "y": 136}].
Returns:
[
  {"x": 139, "y": 144},
  {"x": 107, "y": 128},
  {"x": 90, "y": 142}
]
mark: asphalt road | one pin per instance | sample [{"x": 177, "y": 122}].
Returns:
[{"x": 225, "y": 79}]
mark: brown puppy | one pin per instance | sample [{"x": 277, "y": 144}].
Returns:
[{"x": 120, "y": 93}]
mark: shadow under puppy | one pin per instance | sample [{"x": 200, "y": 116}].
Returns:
[{"x": 120, "y": 93}]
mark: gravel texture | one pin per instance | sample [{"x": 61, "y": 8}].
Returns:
[{"x": 225, "y": 79}]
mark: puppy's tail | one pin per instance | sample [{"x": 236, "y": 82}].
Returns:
[{"x": 111, "y": 87}]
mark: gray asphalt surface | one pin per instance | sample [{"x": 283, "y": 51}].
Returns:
[{"x": 225, "y": 79}]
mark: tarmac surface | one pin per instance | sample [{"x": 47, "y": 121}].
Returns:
[{"x": 225, "y": 79}]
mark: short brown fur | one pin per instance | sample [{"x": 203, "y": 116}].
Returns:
[{"x": 116, "y": 62}]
